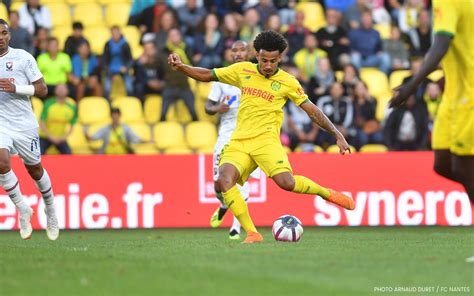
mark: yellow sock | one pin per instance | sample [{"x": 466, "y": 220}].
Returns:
[
  {"x": 236, "y": 203},
  {"x": 306, "y": 186}
]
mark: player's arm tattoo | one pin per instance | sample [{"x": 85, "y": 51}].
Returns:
[{"x": 317, "y": 116}]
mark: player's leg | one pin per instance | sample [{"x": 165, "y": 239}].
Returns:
[
  {"x": 218, "y": 215},
  {"x": 167, "y": 97},
  {"x": 463, "y": 169},
  {"x": 9, "y": 182},
  {"x": 271, "y": 157},
  {"x": 188, "y": 98},
  {"x": 28, "y": 148},
  {"x": 234, "y": 232},
  {"x": 443, "y": 165},
  {"x": 235, "y": 166}
]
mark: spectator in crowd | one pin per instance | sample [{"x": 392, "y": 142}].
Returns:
[
  {"x": 251, "y": 28},
  {"x": 406, "y": 128},
  {"x": 230, "y": 29},
  {"x": 350, "y": 77},
  {"x": 190, "y": 15},
  {"x": 295, "y": 35},
  {"x": 432, "y": 99},
  {"x": 136, "y": 9},
  {"x": 72, "y": 42},
  {"x": 85, "y": 72},
  {"x": 395, "y": 47},
  {"x": 286, "y": 11},
  {"x": 20, "y": 37},
  {"x": 34, "y": 16},
  {"x": 148, "y": 21},
  {"x": 265, "y": 8},
  {"x": 408, "y": 15},
  {"x": 55, "y": 65},
  {"x": 223, "y": 7},
  {"x": 379, "y": 13},
  {"x": 339, "y": 5},
  {"x": 322, "y": 83},
  {"x": 333, "y": 39},
  {"x": 394, "y": 7},
  {"x": 366, "y": 46},
  {"x": 301, "y": 130},
  {"x": 40, "y": 42},
  {"x": 307, "y": 58},
  {"x": 167, "y": 22},
  {"x": 273, "y": 23},
  {"x": 353, "y": 14},
  {"x": 148, "y": 76},
  {"x": 57, "y": 120},
  {"x": 176, "y": 83},
  {"x": 365, "y": 107},
  {"x": 420, "y": 38},
  {"x": 117, "y": 60},
  {"x": 117, "y": 137},
  {"x": 227, "y": 59},
  {"x": 209, "y": 43},
  {"x": 340, "y": 110}
]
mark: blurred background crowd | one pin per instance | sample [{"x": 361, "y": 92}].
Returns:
[{"x": 111, "y": 90}]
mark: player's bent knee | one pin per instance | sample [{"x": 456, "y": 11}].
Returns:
[
  {"x": 35, "y": 171},
  {"x": 285, "y": 183},
  {"x": 5, "y": 166},
  {"x": 224, "y": 183}
]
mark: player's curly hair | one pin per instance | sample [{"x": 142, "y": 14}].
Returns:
[{"x": 270, "y": 41}]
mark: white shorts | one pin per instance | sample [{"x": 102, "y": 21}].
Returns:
[{"x": 25, "y": 143}]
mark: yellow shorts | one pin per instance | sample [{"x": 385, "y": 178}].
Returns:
[
  {"x": 454, "y": 128},
  {"x": 264, "y": 151}
]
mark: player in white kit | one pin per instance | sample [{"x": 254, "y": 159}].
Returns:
[
  {"x": 225, "y": 99},
  {"x": 20, "y": 78}
]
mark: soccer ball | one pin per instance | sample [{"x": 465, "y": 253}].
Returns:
[{"x": 287, "y": 228}]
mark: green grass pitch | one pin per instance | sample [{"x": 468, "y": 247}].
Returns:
[{"x": 327, "y": 261}]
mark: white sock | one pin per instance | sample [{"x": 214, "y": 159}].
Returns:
[
  {"x": 9, "y": 182},
  {"x": 46, "y": 190}
]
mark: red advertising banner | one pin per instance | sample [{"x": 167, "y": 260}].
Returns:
[{"x": 94, "y": 192}]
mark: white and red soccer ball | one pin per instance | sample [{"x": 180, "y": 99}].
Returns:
[{"x": 287, "y": 228}]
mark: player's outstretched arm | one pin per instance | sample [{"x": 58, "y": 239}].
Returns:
[
  {"x": 318, "y": 117},
  {"x": 200, "y": 74},
  {"x": 433, "y": 58},
  {"x": 38, "y": 88}
]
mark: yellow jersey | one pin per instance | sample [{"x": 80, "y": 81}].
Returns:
[
  {"x": 58, "y": 117},
  {"x": 456, "y": 18},
  {"x": 262, "y": 99}
]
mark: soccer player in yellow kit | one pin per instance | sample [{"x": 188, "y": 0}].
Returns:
[
  {"x": 256, "y": 139},
  {"x": 453, "y": 134}
]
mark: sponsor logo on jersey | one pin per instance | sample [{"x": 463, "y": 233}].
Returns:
[
  {"x": 258, "y": 93},
  {"x": 247, "y": 77},
  {"x": 300, "y": 91}
]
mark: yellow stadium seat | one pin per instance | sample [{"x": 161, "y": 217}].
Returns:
[
  {"x": 396, "y": 78},
  {"x": 384, "y": 30},
  {"x": 52, "y": 150},
  {"x": 314, "y": 18},
  {"x": 206, "y": 150},
  {"x": 145, "y": 149},
  {"x": 60, "y": 14},
  {"x": 3, "y": 12},
  {"x": 382, "y": 104},
  {"x": 142, "y": 130},
  {"x": 200, "y": 134},
  {"x": 179, "y": 112},
  {"x": 97, "y": 36},
  {"x": 376, "y": 80},
  {"x": 373, "y": 148},
  {"x": 152, "y": 108},
  {"x": 95, "y": 145},
  {"x": 436, "y": 75},
  {"x": 17, "y": 5},
  {"x": 52, "y": 1},
  {"x": 37, "y": 105},
  {"x": 62, "y": 33},
  {"x": 94, "y": 110},
  {"x": 178, "y": 150},
  {"x": 117, "y": 14},
  {"x": 339, "y": 75},
  {"x": 335, "y": 149},
  {"x": 316, "y": 148},
  {"x": 90, "y": 14},
  {"x": 74, "y": 2},
  {"x": 131, "y": 109},
  {"x": 168, "y": 135},
  {"x": 131, "y": 34},
  {"x": 77, "y": 140}
]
